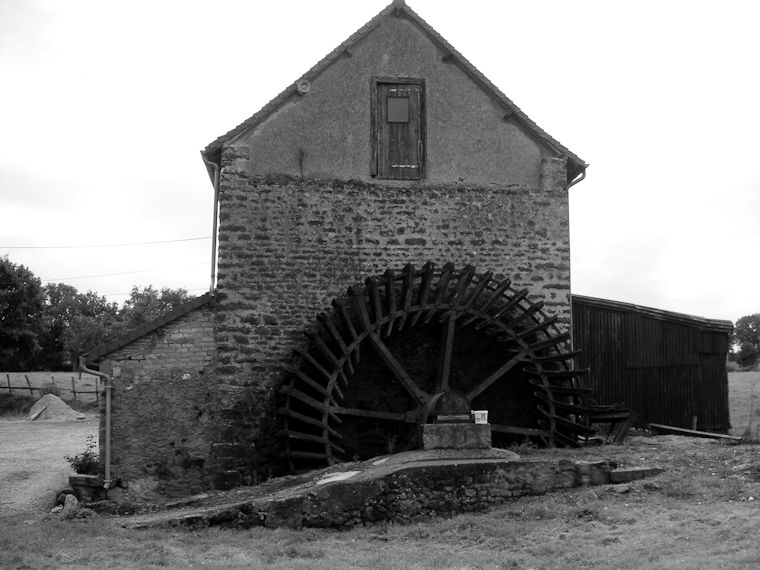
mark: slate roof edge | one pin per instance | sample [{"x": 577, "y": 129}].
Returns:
[
  {"x": 578, "y": 164},
  {"x": 683, "y": 318},
  {"x": 108, "y": 347}
]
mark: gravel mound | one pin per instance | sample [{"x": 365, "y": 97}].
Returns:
[{"x": 52, "y": 409}]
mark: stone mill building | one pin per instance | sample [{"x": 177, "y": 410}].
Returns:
[{"x": 393, "y": 243}]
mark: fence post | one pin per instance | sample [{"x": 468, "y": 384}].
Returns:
[
  {"x": 31, "y": 392},
  {"x": 8, "y": 378},
  {"x": 52, "y": 377},
  {"x": 74, "y": 388}
]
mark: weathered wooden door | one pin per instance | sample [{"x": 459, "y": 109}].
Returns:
[{"x": 399, "y": 130}]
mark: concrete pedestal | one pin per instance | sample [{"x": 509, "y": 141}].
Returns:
[{"x": 456, "y": 436}]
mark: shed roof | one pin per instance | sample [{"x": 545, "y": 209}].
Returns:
[
  {"x": 701, "y": 323},
  {"x": 108, "y": 347},
  {"x": 398, "y": 8}
]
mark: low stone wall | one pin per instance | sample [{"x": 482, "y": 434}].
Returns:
[
  {"x": 415, "y": 491},
  {"x": 426, "y": 491}
]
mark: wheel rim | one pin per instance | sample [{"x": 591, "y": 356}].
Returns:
[{"x": 392, "y": 345}]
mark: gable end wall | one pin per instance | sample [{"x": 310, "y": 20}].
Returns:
[{"x": 325, "y": 133}]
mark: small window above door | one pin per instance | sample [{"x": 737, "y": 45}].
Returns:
[
  {"x": 398, "y": 128},
  {"x": 398, "y": 109}
]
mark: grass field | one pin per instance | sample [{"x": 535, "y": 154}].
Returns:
[
  {"x": 702, "y": 512},
  {"x": 744, "y": 403}
]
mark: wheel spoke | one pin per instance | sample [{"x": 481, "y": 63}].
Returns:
[
  {"x": 447, "y": 347},
  {"x": 501, "y": 371},
  {"x": 407, "y": 417},
  {"x": 420, "y": 396}
]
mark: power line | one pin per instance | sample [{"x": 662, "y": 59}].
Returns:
[
  {"x": 127, "y": 294},
  {"x": 100, "y": 245},
  {"x": 123, "y": 272}
]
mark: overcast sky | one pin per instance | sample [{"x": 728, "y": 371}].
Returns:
[{"x": 105, "y": 105}]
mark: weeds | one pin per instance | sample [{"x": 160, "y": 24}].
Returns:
[{"x": 87, "y": 462}]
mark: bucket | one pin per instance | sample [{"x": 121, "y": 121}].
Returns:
[{"x": 481, "y": 416}]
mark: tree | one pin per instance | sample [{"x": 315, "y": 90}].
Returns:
[
  {"x": 747, "y": 355},
  {"x": 21, "y": 302},
  {"x": 747, "y": 330},
  {"x": 96, "y": 321},
  {"x": 73, "y": 324},
  {"x": 76, "y": 322},
  {"x": 147, "y": 304}
]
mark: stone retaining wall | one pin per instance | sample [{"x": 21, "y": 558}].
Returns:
[
  {"x": 401, "y": 495},
  {"x": 426, "y": 491}
]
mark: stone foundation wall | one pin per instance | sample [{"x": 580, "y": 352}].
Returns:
[
  {"x": 412, "y": 493},
  {"x": 417, "y": 493}
]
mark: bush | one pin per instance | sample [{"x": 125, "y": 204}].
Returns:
[
  {"x": 87, "y": 462},
  {"x": 732, "y": 366},
  {"x": 15, "y": 404},
  {"x": 747, "y": 355}
]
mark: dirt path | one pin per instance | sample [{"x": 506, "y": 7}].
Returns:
[{"x": 32, "y": 467}]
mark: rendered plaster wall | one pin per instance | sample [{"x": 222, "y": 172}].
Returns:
[
  {"x": 162, "y": 409},
  {"x": 288, "y": 246},
  {"x": 326, "y": 132}
]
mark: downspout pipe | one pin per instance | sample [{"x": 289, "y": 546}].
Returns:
[
  {"x": 108, "y": 385},
  {"x": 214, "y": 167},
  {"x": 582, "y": 176}
]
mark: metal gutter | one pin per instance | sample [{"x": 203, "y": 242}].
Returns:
[{"x": 582, "y": 176}]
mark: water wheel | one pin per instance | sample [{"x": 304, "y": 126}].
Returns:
[{"x": 389, "y": 349}]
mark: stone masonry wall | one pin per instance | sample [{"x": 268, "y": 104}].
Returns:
[
  {"x": 413, "y": 493},
  {"x": 163, "y": 409},
  {"x": 287, "y": 246}
]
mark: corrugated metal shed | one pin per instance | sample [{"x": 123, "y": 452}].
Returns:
[{"x": 668, "y": 367}]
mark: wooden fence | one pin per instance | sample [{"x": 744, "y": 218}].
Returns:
[{"x": 68, "y": 386}]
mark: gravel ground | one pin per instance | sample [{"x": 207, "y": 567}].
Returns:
[{"x": 32, "y": 464}]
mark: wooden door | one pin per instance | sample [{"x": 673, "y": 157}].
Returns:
[{"x": 399, "y": 130}]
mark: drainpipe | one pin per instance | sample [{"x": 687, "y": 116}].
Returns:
[
  {"x": 574, "y": 182},
  {"x": 215, "y": 167},
  {"x": 108, "y": 384}
]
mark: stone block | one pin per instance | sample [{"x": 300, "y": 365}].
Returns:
[
  {"x": 87, "y": 488},
  {"x": 633, "y": 474},
  {"x": 456, "y": 436},
  {"x": 594, "y": 472}
]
